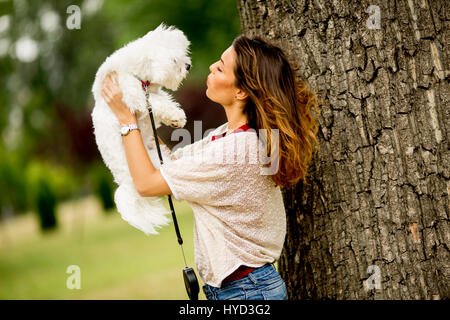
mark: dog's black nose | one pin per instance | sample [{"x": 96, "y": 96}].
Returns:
[{"x": 188, "y": 66}]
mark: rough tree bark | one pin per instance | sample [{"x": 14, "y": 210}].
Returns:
[{"x": 377, "y": 203}]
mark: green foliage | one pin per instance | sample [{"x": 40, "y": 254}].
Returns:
[
  {"x": 63, "y": 182},
  {"x": 13, "y": 189}
]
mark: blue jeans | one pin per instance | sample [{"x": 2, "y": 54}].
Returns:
[{"x": 264, "y": 283}]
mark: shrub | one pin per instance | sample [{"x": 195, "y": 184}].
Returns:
[
  {"x": 101, "y": 182},
  {"x": 105, "y": 192},
  {"x": 46, "y": 205}
]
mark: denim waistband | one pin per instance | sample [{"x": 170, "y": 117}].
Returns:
[
  {"x": 254, "y": 276},
  {"x": 262, "y": 271}
]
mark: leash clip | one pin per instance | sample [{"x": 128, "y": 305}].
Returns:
[{"x": 145, "y": 84}]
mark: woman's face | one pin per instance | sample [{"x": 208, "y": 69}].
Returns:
[{"x": 220, "y": 82}]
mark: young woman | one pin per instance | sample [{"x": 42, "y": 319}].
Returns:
[{"x": 239, "y": 214}]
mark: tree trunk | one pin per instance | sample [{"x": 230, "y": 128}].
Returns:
[{"x": 374, "y": 221}]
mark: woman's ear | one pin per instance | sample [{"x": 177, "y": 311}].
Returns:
[{"x": 241, "y": 95}]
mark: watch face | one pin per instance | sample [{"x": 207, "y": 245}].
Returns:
[{"x": 124, "y": 130}]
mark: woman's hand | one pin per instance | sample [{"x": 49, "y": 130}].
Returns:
[{"x": 112, "y": 94}]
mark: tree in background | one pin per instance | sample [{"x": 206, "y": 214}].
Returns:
[{"x": 373, "y": 223}]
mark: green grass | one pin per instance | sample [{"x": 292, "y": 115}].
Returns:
[{"x": 116, "y": 260}]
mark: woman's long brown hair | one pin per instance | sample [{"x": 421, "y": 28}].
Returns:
[{"x": 277, "y": 100}]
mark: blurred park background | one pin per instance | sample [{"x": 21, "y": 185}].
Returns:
[{"x": 56, "y": 206}]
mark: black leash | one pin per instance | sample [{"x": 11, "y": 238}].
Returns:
[{"x": 190, "y": 279}]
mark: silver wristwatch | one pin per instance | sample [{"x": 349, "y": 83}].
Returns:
[{"x": 125, "y": 129}]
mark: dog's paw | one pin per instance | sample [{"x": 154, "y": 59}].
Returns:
[{"x": 177, "y": 123}]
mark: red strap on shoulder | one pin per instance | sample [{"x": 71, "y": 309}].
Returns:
[{"x": 244, "y": 127}]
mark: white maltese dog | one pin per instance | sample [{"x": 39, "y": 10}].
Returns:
[{"x": 160, "y": 57}]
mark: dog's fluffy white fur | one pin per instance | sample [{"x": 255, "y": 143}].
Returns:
[{"x": 161, "y": 57}]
